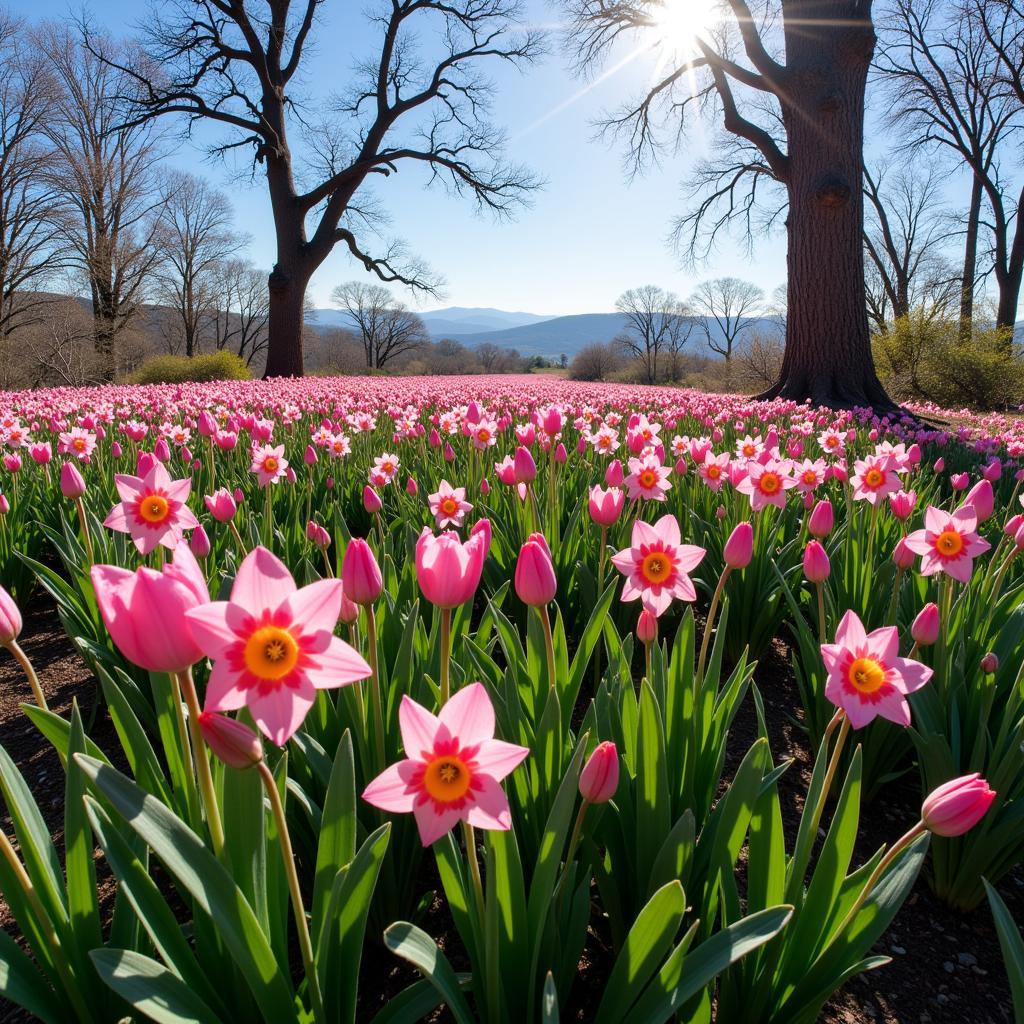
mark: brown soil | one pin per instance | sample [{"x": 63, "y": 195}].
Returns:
[{"x": 945, "y": 967}]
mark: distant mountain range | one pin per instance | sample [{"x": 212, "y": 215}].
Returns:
[{"x": 529, "y": 333}]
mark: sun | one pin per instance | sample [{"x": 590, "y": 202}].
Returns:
[{"x": 680, "y": 22}]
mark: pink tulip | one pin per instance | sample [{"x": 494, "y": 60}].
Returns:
[
  {"x": 959, "y": 481},
  {"x": 821, "y": 519},
  {"x": 317, "y": 535},
  {"x": 739, "y": 548},
  {"x": 902, "y": 556},
  {"x": 371, "y": 500},
  {"x": 361, "y": 578},
  {"x": 10, "y": 619},
  {"x": 605, "y": 506},
  {"x": 132, "y": 603},
  {"x": 816, "y": 563},
  {"x": 535, "y": 579},
  {"x": 925, "y": 627},
  {"x": 411, "y": 487},
  {"x": 613, "y": 475},
  {"x": 600, "y": 776},
  {"x": 449, "y": 452},
  {"x": 902, "y": 504},
  {"x": 448, "y": 569},
  {"x": 990, "y": 663},
  {"x": 982, "y": 499},
  {"x": 524, "y": 468},
  {"x": 199, "y": 543},
  {"x": 232, "y": 741},
  {"x": 646, "y": 627},
  {"x": 72, "y": 483},
  {"x": 561, "y": 455},
  {"x": 273, "y": 645},
  {"x": 221, "y": 505},
  {"x": 940, "y": 465},
  {"x": 957, "y": 806}
]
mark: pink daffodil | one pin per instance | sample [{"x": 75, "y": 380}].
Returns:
[
  {"x": 866, "y": 675},
  {"x": 948, "y": 543},
  {"x": 766, "y": 484},
  {"x": 452, "y": 769},
  {"x": 448, "y": 505},
  {"x": 648, "y": 479},
  {"x": 273, "y": 645},
  {"x": 874, "y": 478},
  {"x": 268, "y": 463},
  {"x": 152, "y": 509},
  {"x": 656, "y": 566}
]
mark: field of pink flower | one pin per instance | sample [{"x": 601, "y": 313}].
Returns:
[{"x": 441, "y": 672}]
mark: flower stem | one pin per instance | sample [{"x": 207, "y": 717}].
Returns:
[
  {"x": 710, "y": 623},
  {"x": 375, "y": 697},
  {"x": 446, "y": 654},
  {"x": 30, "y": 673},
  {"x": 301, "y": 925},
  {"x": 188, "y": 688},
  {"x": 822, "y": 625},
  {"x": 549, "y": 646},
  {"x": 830, "y": 775},
  {"x": 238, "y": 537},
  {"x": 87, "y": 539},
  {"x": 191, "y": 792}
]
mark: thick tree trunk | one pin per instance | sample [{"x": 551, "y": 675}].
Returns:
[
  {"x": 1009, "y": 297},
  {"x": 970, "y": 271},
  {"x": 828, "y": 344},
  {"x": 284, "y": 324}
]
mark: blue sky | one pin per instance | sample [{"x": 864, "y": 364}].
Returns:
[{"x": 589, "y": 235}]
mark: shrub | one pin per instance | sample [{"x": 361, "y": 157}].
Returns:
[
  {"x": 178, "y": 369},
  {"x": 920, "y": 357}
]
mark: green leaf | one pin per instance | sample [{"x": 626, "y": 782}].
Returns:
[
  {"x": 1013, "y": 949},
  {"x": 21, "y": 983},
  {"x": 653, "y": 805},
  {"x": 337, "y": 845},
  {"x": 646, "y": 945},
  {"x": 151, "y": 988},
  {"x": 416, "y": 946},
  {"x": 205, "y": 879}
]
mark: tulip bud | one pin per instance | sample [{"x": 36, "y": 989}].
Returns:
[
  {"x": 116, "y": 450},
  {"x": 535, "y": 580},
  {"x": 613, "y": 475},
  {"x": 360, "y": 574},
  {"x": 925, "y": 627},
  {"x": 605, "y": 506},
  {"x": 600, "y": 776},
  {"x": 902, "y": 555},
  {"x": 449, "y": 452},
  {"x": 411, "y": 487},
  {"x": 821, "y": 519},
  {"x": 162, "y": 450},
  {"x": 317, "y": 535},
  {"x": 199, "y": 542},
  {"x": 72, "y": 483},
  {"x": 232, "y": 741},
  {"x": 5, "y": 505},
  {"x": 561, "y": 454},
  {"x": 990, "y": 663},
  {"x": 739, "y": 548},
  {"x": 902, "y": 504},
  {"x": 957, "y": 806},
  {"x": 959, "y": 481},
  {"x": 525, "y": 469},
  {"x": 940, "y": 465},
  {"x": 485, "y": 487},
  {"x": 647, "y": 627},
  {"x": 816, "y": 563},
  {"x": 349, "y": 609},
  {"x": 10, "y": 619},
  {"x": 221, "y": 505},
  {"x": 371, "y": 500},
  {"x": 310, "y": 455},
  {"x": 981, "y": 498}
]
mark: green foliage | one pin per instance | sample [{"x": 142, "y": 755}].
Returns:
[
  {"x": 922, "y": 357},
  {"x": 181, "y": 369}
]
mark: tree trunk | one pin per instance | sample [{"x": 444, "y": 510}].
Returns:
[
  {"x": 970, "y": 262},
  {"x": 828, "y": 344},
  {"x": 284, "y": 324},
  {"x": 1009, "y": 296}
]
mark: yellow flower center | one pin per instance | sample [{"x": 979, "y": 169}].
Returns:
[
  {"x": 449, "y": 506},
  {"x": 749, "y": 450},
  {"x": 949, "y": 543},
  {"x": 78, "y": 444},
  {"x": 648, "y": 478},
  {"x": 155, "y": 508},
  {"x": 874, "y": 478},
  {"x": 270, "y": 464},
  {"x": 656, "y": 567},
  {"x": 447, "y": 779},
  {"x": 866, "y": 675},
  {"x": 714, "y": 472},
  {"x": 271, "y": 653},
  {"x": 769, "y": 483}
]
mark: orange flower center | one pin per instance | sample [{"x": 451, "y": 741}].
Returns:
[
  {"x": 447, "y": 779},
  {"x": 949, "y": 543},
  {"x": 832, "y": 442},
  {"x": 271, "y": 653},
  {"x": 749, "y": 450},
  {"x": 874, "y": 478},
  {"x": 810, "y": 477},
  {"x": 449, "y": 506},
  {"x": 866, "y": 675},
  {"x": 155, "y": 508},
  {"x": 648, "y": 478},
  {"x": 769, "y": 483},
  {"x": 483, "y": 435},
  {"x": 714, "y": 472},
  {"x": 270, "y": 464},
  {"x": 656, "y": 567},
  {"x": 78, "y": 444}
]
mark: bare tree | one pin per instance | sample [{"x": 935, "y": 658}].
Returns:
[
  {"x": 728, "y": 307},
  {"x": 596, "y": 361},
  {"x": 799, "y": 122},
  {"x": 31, "y": 216},
  {"x": 386, "y": 327},
  {"x": 656, "y": 322},
  {"x": 195, "y": 237},
  {"x": 239, "y": 64},
  {"x": 497, "y": 359},
  {"x": 105, "y": 173},
  {"x": 947, "y": 90},
  {"x": 904, "y": 239},
  {"x": 241, "y": 309}
]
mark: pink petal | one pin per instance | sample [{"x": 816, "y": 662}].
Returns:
[
  {"x": 656, "y": 603},
  {"x": 222, "y": 691},
  {"x": 918, "y": 542},
  {"x": 689, "y": 556},
  {"x": 965, "y": 519},
  {"x": 215, "y": 626},
  {"x": 645, "y": 533},
  {"x": 935, "y": 519},
  {"x": 684, "y": 589},
  {"x": 391, "y": 790},
  {"x": 280, "y": 712},
  {"x": 490, "y": 808},
  {"x": 117, "y": 519},
  {"x": 469, "y": 715},
  {"x": 884, "y": 644},
  {"x": 667, "y": 528},
  {"x": 914, "y": 674},
  {"x": 338, "y": 665},
  {"x": 179, "y": 490},
  {"x": 418, "y": 727},
  {"x": 315, "y": 607},
  {"x": 432, "y": 823},
  {"x": 624, "y": 560},
  {"x": 129, "y": 488},
  {"x": 959, "y": 568},
  {"x": 497, "y": 758},
  {"x": 263, "y": 582},
  {"x": 894, "y": 707},
  {"x": 850, "y": 632}
]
